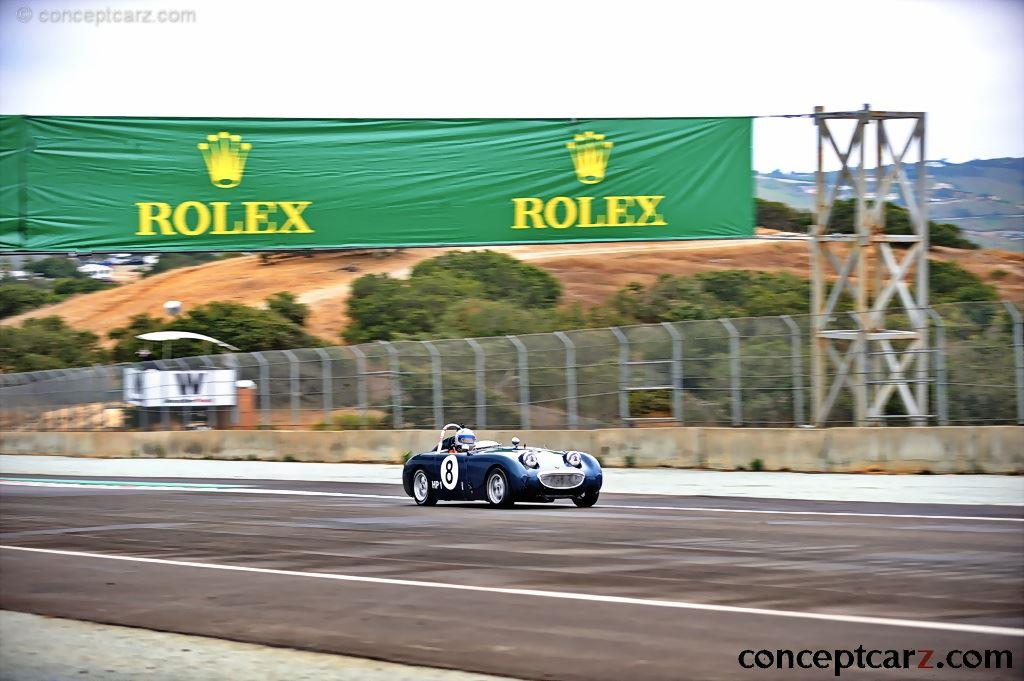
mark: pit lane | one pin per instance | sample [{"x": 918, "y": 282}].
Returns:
[{"x": 463, "y": 585}]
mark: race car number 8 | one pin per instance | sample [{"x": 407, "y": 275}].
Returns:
[{"x": 450, "y": 471}]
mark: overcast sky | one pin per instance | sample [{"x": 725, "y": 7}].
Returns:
[{"x": 961, "y": 61}]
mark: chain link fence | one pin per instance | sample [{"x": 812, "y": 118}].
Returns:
[{"x": 728, "y": 372}]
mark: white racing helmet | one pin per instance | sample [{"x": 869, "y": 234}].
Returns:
[{"x": 465, "y": 440}]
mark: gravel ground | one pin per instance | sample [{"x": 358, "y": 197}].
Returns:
[
  {"x": 35, "y": 648},
  {"x": 919, "y": 489}
]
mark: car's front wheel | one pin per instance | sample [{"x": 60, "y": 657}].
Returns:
[
  {"x": 587, "y": 499},
  {"x": 498, "y": 492},
  {"x": 421, "y": 491}
]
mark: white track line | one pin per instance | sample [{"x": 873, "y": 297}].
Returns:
[
  {"x": 703, "y": 509},
  {"x": 171, "y": 488},
  {"x": 359, "y": 495},
  {"x": 564, "y": 595}
]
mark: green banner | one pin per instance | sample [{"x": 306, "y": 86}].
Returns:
[{"x": 178, "y": 184}]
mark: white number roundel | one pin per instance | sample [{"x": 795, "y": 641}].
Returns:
[{"x": 450, "y": 471}]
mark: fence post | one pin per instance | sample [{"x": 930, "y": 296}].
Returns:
[
  {"x": 326, "y": 384},
  {"x": 941, "y": 377},
  {"x": 394, "y": 368},
  {"x": 677, "y": 372},
  {"x": 293, "y": 384},
  {"x": 165, "y": 411},
  {"x": 47, "y": 399},
  {"x": 734, "y": 372},
  {"x": 59, "y": 411},
  {"x": 49, "y": 402},
  {"x": 33, "y": 398},
  {"x": 360, "y": 378},
  {"x": 231, "y": 361},
  {"x": 1018, "y": 357},
  {"x": 186, "y": 415},
  {"x": 481, "y": 388},
  {"x": 523, "y": 365},
  {"x": 572, "y": 408},
  {"x": 101, "y": 376},
  {"x": 435, "y": 372},
  {"x": 36, "y": 392},
  {"x": 49, "y": 393},
  {"x": 210, "y": 409},
  {"x": 798, "y": 379},
  {"x": 142, "y": 409},
  {"x": 264, "y": 387},
  {"x": 623, "y": 375}
]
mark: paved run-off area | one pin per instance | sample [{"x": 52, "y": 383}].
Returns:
[
  {"x": 77, "y": 650},
  {"x": 641, "y": 586}
]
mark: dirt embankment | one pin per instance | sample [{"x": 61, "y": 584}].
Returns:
[{"x": 589, "y": 273}]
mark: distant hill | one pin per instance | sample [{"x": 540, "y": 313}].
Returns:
[{"x": 984, "y": 197}]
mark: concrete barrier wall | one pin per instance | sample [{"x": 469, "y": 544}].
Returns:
[{"x": 967, "y": 449}]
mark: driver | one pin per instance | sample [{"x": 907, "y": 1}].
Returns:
[{"x": 465, "y": 441}]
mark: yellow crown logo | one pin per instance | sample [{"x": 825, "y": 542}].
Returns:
[
  {"x": 225, "y": 156},
  {"x": 590, "y": 155}
]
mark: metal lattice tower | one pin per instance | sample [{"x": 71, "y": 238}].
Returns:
[{"x": 874, "y": 362}]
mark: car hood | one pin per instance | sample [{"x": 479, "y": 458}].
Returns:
[{"x": 549, "y": 460}]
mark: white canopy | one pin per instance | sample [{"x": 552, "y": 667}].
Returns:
[{"x": 179, "y": 335}]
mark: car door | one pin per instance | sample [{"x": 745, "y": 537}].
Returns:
[{"x": 453, "y": 476}]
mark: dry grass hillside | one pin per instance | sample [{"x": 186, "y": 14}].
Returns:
[
  {"x": 592, "y": 279},
  {"x": 589, "y": 273}
]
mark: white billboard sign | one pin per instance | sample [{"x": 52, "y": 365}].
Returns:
[{"x": 196, "y": 387}]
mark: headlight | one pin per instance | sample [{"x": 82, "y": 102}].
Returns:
[
  {"x": 574, "y": 459},
  {"x": 529, "y": 460}
]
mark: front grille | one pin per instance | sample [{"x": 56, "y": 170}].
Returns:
[{"x": 561, "y": 480}]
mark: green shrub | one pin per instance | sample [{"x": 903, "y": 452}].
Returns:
[
  {"x": 70, "y": 286},
  {"x": 47, "y": 343},
  {"x": 55, "y": 268},
  {"x": 288, "y": 306},
  {"x": 18, "y": 297},
  {"x": 247, "y": 328}
]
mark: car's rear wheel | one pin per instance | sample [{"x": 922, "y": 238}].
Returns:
[
  {"x": 498, "y": 492},
  {"x": 587, "y": 499},
  {"x": 421, "y": 491}
]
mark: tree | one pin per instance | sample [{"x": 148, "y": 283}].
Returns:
[
  {"x": 47, "y": 343},
  {"x": 54, "y": 268},
  {"x": 948, "y": 282},
  {"x": 777, "y": 215},
  {"x": 70, "y": 286},
  {"x": 247, "y": 328},
  {"x": 127, "y": 345},
  {"x": 287, "y": 305},
  {"x": 475, "y": 318},
  {"x": 897, "y": 221},
  {"x": 500, "y": 276},
  {"x": 710, "y": 295},
  {"x": 382, "y": 308},
  {"x": 15, "y": 298}
]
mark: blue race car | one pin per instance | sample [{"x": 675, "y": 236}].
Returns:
[{"x": 461, "y": 469}]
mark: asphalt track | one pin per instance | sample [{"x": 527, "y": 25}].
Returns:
[{"x": 636, "y": 588}]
